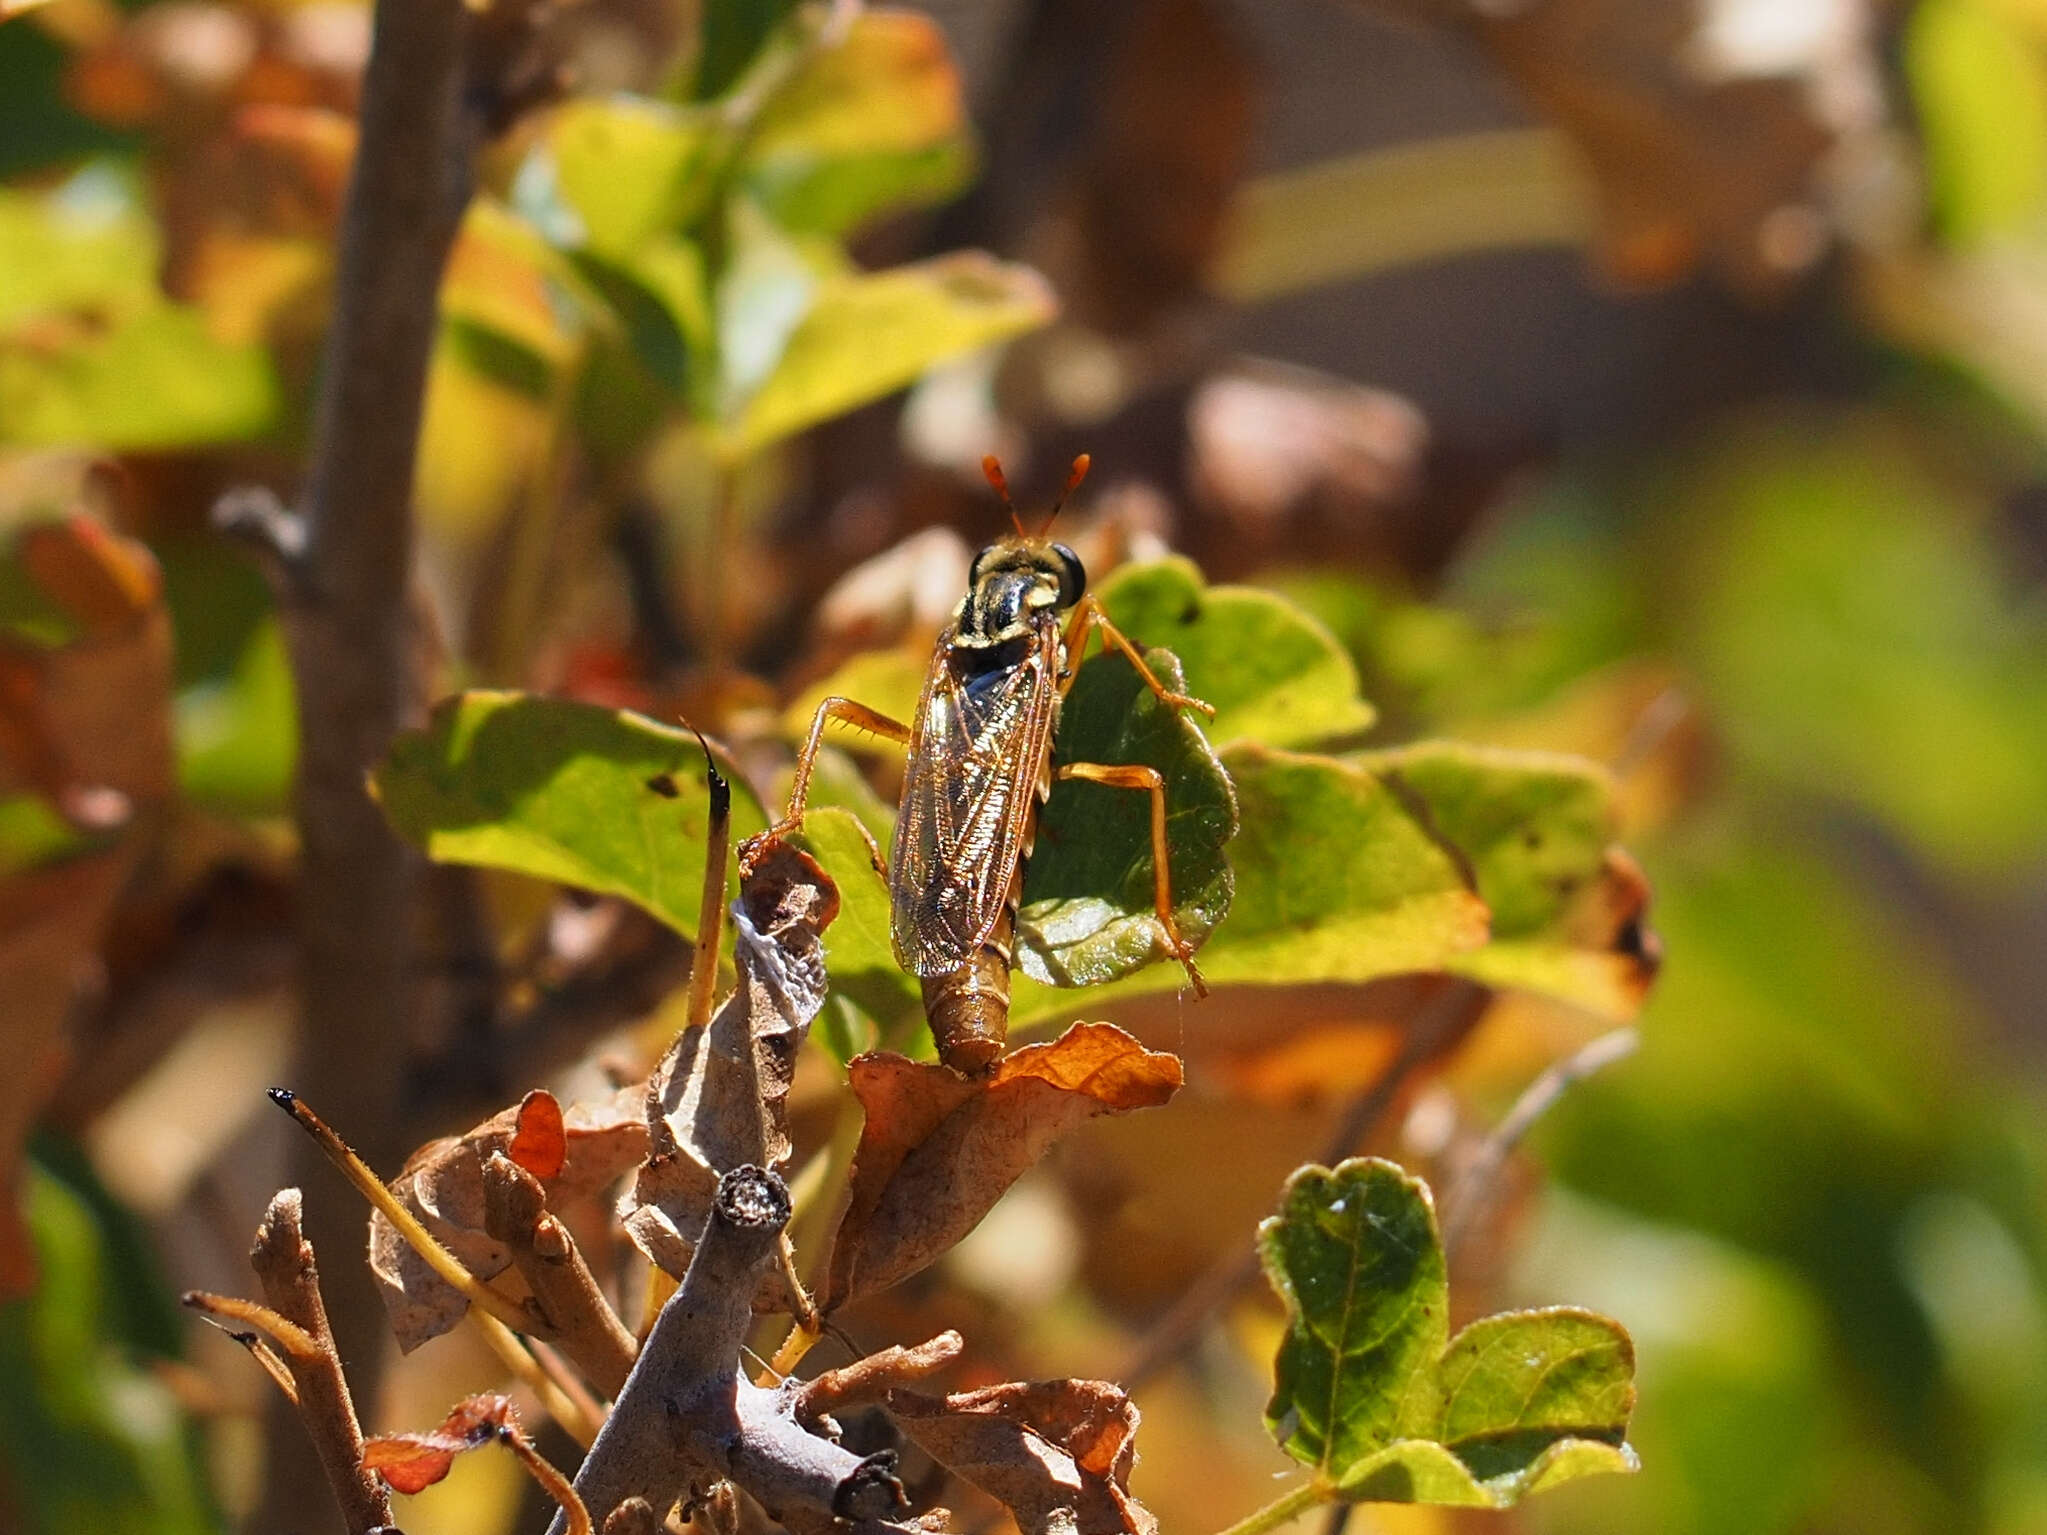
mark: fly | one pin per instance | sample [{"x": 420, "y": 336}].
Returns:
[{"x": 980, "y": 764}]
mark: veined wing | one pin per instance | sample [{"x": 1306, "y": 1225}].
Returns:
[{"x": 976, "y": 750}]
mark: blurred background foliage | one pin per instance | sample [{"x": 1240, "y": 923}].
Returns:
[{"x": 1660, "y": 382}]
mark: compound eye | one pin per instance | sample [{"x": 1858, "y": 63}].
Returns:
[
  {"x": 974, "y": 570},
  {"x": 1072, "y": 576}
]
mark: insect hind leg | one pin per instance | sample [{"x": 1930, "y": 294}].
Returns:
[
  {"x": 847, "y": 712},
  {"x": 1134, "y": 775}
]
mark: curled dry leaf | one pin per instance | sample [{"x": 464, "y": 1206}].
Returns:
[
  {"x": 409, "y": 1463},
  {"x": 939, "y": 1149},
  {"x": 443, "y": 1185},
  {"x": 718, "y": 1099},
  {"x": 85, "y": 726},
  {"x": 1056, "y": 1453}
]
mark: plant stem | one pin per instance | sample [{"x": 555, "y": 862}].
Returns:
[
  {"x": 1276, "y": 1513},
  {"x": 346, "y": 600}
]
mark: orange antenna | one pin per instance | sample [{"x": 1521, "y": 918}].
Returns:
[
  {"x": 992, "y": 467},
  {"x": 1078, "y": 473}
]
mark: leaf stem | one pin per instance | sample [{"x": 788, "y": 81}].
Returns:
[{"x": 1286, "y": 1506}]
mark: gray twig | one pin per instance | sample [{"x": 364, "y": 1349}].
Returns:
[
  {"x": 688, "y": 1418},
  {"x": 1473, "y": 1192},
  {"x": 283, "y": 1261}
]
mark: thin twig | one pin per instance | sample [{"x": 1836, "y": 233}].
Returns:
[
  {"x": 579, "y": 1425},
  {"x": 552, "y": 1482},
  {"x": 283, "y": 1261},
  {"x": 298, "y": 1343},
  {"x": 581, "y": 1321},
  {"x": 1474, "y": 1191},
  {"x": 1439, "y": 1022}
]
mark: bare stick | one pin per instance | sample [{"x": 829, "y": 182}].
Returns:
[
  {"x": 258, "y": 1350},
  {"x": 283, "y": 1261},
  {"x": 868, "y": 1380},
  {"x": 692, "y": 1354},
  {"x": 582, "y": 1323},
  {"x": 1473, "y": 1193},
  {"x": 297, "y": 1342},
  {"x": 552, "y": 1482}
]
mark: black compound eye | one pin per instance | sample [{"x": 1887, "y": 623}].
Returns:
[
  {"x": 974, "y": 570},
  {"x": 1072, "y": 576}
]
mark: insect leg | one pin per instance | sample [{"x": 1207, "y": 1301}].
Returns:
[
  {"x": 1088, "y": 613},
  {"x": 846, "y": 711},
  {"x": 1134, "y": 775}
]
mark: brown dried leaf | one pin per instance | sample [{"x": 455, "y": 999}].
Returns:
[
  {"x": 409, "y": 1463},
  {"x": 442, "y": 1183},
  {"x": 51, "y": 921},
  {"x": 87, "y": 724},
  {"x": 939, "y": 1149},
  {"x": 708, "y": 1113},
  {"x": 1045, "y": 1449}
]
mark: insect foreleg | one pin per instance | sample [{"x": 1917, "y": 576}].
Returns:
[
  {"x": 1088, "y": 613},
  {"x": 847, "y": 712},
  {"x": 1131, "y": 775}
]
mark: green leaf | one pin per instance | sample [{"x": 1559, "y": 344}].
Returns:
[
  {"x": 1089, "y": 914},
  {"x": 1536, "y": 829},
  {"x": 1981, "y": 93},
  {"x": 873, "y": 123},
  {"x": 858, "y": 955},
  {"x": 88, "y": 1441},
  {"x": 615, "y": 171},
  {"x": 86, "y": 244},
  {"x": 865, "y": 335},
  {"x": 1374, "y": 1394},
  {"x": 767, "y": 288},
  {"x": 1271, "y": 671},
  {"x": 733, "y": 35},
  {"x": 562, "y": 791},
  {"x": 151, "y": 378},
  {"x": 237, "y": 735}
]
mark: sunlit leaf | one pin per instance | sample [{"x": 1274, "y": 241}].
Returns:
[
  {"x": 1980, "y": 88},
  {"x": 1374, "y": 1393},
  {"x": 872, "y": 123},
  {"x": 1089, "y": 912},
  {"x": 1537, "y": 830},
  {"x": 88, "y": 243},
  {"x": 767, "y": 286},
  {"x": 1272, "y": 672},
  {"x": 562, "y": 791},
  {"x": 858, "y": 953},
  {"x": 617, "y": 171},
  {"x": 867, "y": 335},
  {"x": 127, "y": 381}
]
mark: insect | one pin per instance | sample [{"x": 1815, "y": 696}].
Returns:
[{"x": 980, "y": 764}]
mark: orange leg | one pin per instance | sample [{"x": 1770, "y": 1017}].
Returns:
[
  {"x": 846, "y": 711},
  {"x": 1134, "y": 775},
  {"x": 1088, "y": 614}
]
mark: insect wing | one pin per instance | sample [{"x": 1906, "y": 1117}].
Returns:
[{"x": 976, "y": 751}]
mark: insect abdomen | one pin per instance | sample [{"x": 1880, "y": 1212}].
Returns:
[{"x": 968, "y": 1008}]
